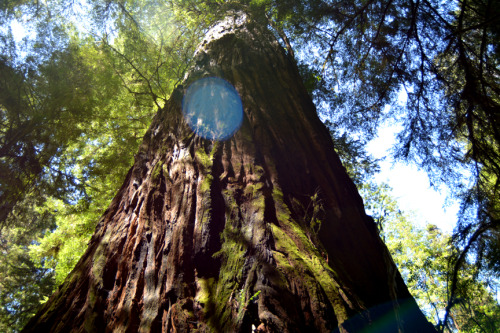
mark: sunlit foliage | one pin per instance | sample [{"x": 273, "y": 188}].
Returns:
[{"x": 422, "y": 254}]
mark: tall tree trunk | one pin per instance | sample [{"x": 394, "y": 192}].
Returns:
[{"x": 263, "y": 230}]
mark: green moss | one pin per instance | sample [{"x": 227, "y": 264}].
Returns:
[
  {"x": 249, "y": 190},
  {"x": 241, "y": 297},
  {"x": 99, "y": 259},
  {"x": 282, "y": 212},
  {"x": 230, "y": 201},
  {"x": 205, "y": 217},
  {"x": 230, "y": 275},
  {"x": 99, "y": 262},
  {"x": 157, "y": 171},
  {"x": 315, "y": 225},
  {"x": 284, "y": 216},
  {"x": 277, "y": 195},
  {"x": 203, "y": 158},
  {"x": 259, "y": 170},
  {"x": 205, "y": 288},
  {"x": 231, "y": 292},
  {"x": 206, "y": 183},
  {"x": 254, "y": 297},
  {"x": 298, "y": 256},
  {"x": 260, "y": 204},
  {"x": 214, "y": 148},
  {"x": 254, "y": 169},
  {"x": 252, "y": 190}
]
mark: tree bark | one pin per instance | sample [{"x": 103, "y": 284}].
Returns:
[{"x": 264, "y": 231}]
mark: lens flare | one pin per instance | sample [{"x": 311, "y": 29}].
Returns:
[
  {"x": 383, "y": 319},
  {"x": 212, "y": 108}
]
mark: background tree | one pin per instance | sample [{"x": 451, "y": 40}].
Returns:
[
  {"x": 23, "y": 284},
  {"x": 422, "y": 255}
]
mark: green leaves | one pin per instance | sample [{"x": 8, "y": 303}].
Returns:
[
  {"x": 23, "y": 284},
  {"x": 38, "y": 113},
  {"x": 60, "y": 249},
  {"x": 425, "y": 257}
]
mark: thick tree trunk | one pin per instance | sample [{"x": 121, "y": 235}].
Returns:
[{"x": 263, "y": 230}]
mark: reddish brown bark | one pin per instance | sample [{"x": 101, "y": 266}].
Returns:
[{"x": 264, "y": 230}]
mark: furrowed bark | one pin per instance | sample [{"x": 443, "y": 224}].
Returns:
[{"x": 264, "y": 229}]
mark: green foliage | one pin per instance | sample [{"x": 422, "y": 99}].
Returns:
[
  {"x": 60, "y": 249},
  {"x": 64, "y": 91},
  {"x": 39, "y": 111},
  {"x": 24, "y": 285},
  {"x": 424, "y": 258},
  {"x": 359, "y": 164}
]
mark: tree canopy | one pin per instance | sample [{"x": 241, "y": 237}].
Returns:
[
  {"x": 422, "y": 255},
  {"x": 79, "y": 88}
]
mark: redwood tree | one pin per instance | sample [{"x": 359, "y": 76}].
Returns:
[{"x": 263, "y": 231}]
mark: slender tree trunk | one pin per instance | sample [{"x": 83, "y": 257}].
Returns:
[{"x": 263, "y": 230}]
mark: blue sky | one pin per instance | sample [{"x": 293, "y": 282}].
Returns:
[{"x": 411, "y": 186}]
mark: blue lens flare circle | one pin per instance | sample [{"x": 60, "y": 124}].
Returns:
[{"x": 212, "y": 108}]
